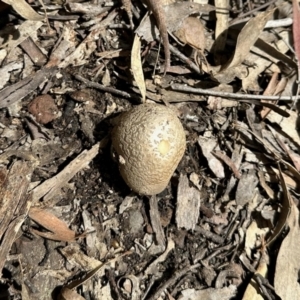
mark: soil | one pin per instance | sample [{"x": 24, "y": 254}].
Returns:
[{"x": 89, "y": 236}]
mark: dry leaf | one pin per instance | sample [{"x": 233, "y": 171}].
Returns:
[
  {"x": 67, "y": 294},
  {"x": 269, "y": 91},
  {"x": 286, "y": 281},
  {"x": 246, "y": 39},
  {"x": 66, "y": 55},
  {"x": 225, "y": 293},
  {"x": 288, "y": 125},
  {"x": 227, "y": 160},
  {"x": 253, "y": 292},
  {"x": 275, "y": 52},
  {"x": 106, "y": 79},
  {"x": 294, "y": 157},
  {"x": 291, "y": 182},
  {"x": 267, "y": 56},
  {"x": 285, "y": 210},
  {"x": 76, "y": 257},
  {"x": 264, "y": 185},
  {"x": 175, "y": 14},
  {"x": 254, "y": 236},
  {"x": 59, "y": 229},
  {"x": 296, "y": 29},
  {"x": 5, "y": 72},
  {"x": 24, "y": 9},
  {"x": 136, "y": 66},
  {"x": 192, "y": 32},
  {"x": 207, "y": 146},
  {"x": 26, "y": 29}
]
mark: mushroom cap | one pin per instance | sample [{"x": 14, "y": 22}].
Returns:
[{"x": 149, "y": 141}]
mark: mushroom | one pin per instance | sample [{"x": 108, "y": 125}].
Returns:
[{"x": 149, "y": 142}]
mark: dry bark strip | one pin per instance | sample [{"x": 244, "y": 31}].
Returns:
[
  {"x": 14, "y": 203},
  {"x": 157, "y": 227},
  {"x": 21, "y": 89},
  {"x": 188, "y": 205},
  {"x": 51, "y": 187}
]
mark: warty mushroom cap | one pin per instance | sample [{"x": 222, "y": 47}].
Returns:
[{"x": 149, "y": 142}]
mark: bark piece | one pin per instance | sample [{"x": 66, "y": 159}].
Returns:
[
  {"x": 188, "y": 204},
  {"x": 246, "y": 188},
  {"x": 14, "y": 204},
  {"x": 157, "y": 228},
  {"x": 21, "y": 89},
  {"x": 207, "y": 146},
  {"x": 34, "y": 52},
  {"x": 51, "y": 187}
]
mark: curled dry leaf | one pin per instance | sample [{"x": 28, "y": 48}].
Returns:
[
  {"x": 43, "y": 108},
  {"x": 246, "y": 39},
  {"x": 59, "y": 229},
  {"x": 136, "y": 66},
  {"x": 67, "y": 294},
  {"x": 24, "y": 9},
  {"x": 131, "y": 285},
  {"x": 224, "y": 293},
  {"x": 253, "y": 291},
  {"x": 207, "y": 146},
  {"x": 192, "y": 32},
  {"x": 288, "y": 125},
  {"x": 24, "y": 30},
  {"x": 285, "y": 210},
  {"x": 286, "y": 281},
  {"x": 5, "y": 72},
  {"x": 175, "y": 15},
  {"x": 296, "y": 29}
]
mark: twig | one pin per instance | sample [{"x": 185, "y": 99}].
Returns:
[
  {"x": 156, "y": 225},
  {"x": 270, "y": 24},
  {"x": 113, "y": 285},
  {"x": 279, "y": 23},
  {"x": 263, "y": 6},
  {"x": 209, "y": 235},
  {"x": 227, "y": 160},
  {"x": 188, "y": 89},
  {"x": 185, "y": 59},
  {"x": 172, "y": 280},
  {"x": 106, "y": 89}
]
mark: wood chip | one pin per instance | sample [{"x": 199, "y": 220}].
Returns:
[{"x": 188, "y": 204}]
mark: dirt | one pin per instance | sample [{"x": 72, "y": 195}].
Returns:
[{"x": 70, "y": 228}]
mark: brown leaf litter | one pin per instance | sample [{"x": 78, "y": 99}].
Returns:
[{"x": 226, "y": 226}]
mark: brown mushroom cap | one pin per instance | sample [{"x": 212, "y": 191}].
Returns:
[{"x": 149, "y": 141}]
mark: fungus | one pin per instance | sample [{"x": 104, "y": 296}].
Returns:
[{"x": 149, "y": 142}]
